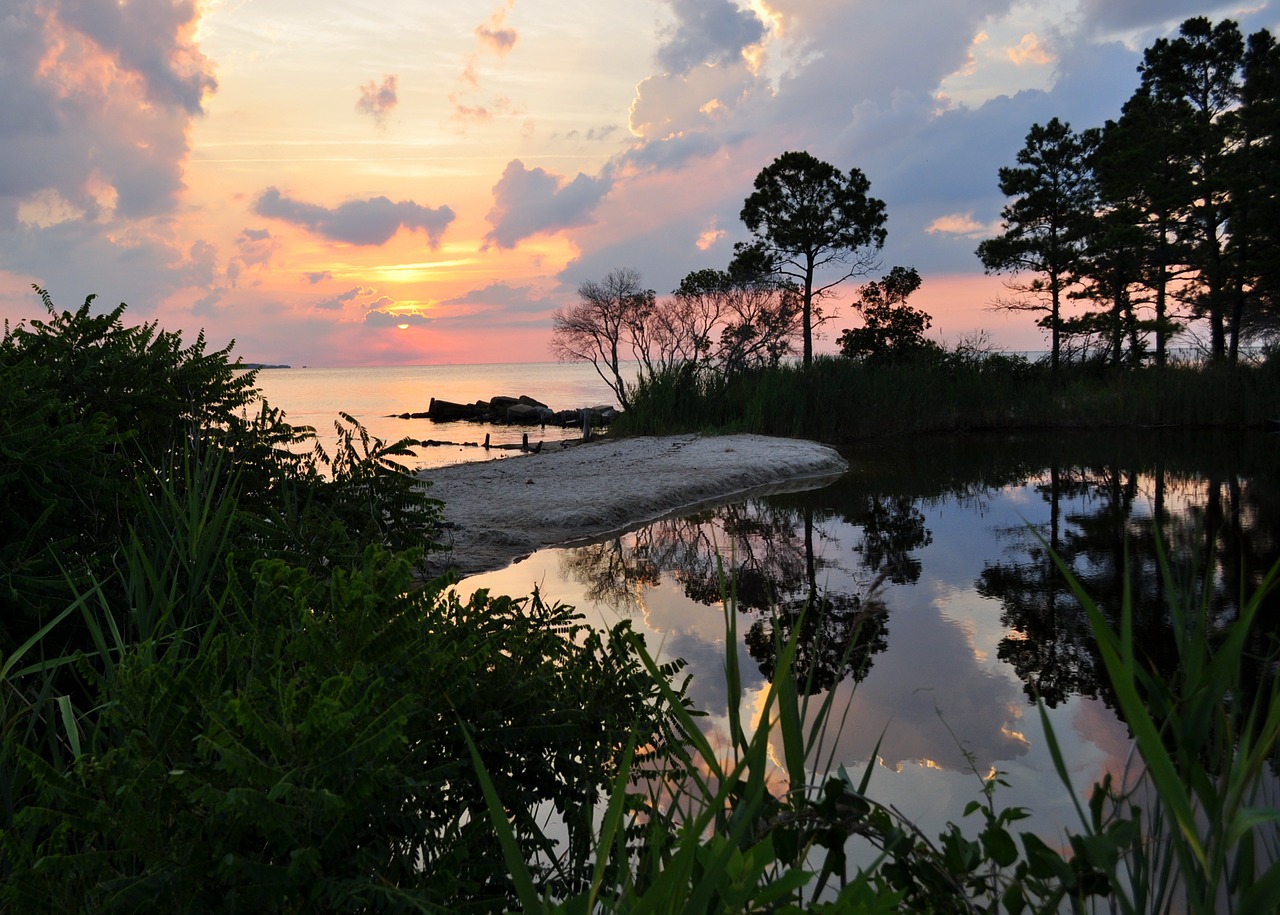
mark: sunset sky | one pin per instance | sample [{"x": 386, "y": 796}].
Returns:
[{"x": 342, "y": 182}]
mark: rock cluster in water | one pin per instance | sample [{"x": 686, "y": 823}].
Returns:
[{"x": 502, "y": 410}]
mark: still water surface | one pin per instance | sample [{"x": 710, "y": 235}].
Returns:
[
  {"x": 314, "y": 396},
  {"x": 945, "y": 617}
]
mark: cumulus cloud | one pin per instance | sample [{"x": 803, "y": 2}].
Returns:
[
  {"x": 707, "y": 32},
  {"x": 532, "y": 201},
  {"x": 378, "y": 101},
  {"x": 668, "y": 105},
  {"x": 97, "y": 102},
  {"x": 358, "y": 222},
  {"x": 1030, "y": 51},
  {"x": 153, "y": 39}
]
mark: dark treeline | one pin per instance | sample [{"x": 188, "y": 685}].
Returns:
[
  {"x": 839, "y": 400},
  {"x": 1166, "y": 214},
  {"x": 1116, "y": 238}
]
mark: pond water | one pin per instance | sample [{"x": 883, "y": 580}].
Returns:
[{"x": 944, "y": 617}]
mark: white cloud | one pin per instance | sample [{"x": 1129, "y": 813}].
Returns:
[{"x": 532, "y": 201}]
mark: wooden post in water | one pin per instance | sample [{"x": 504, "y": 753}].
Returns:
[
  {"x": 486, "y": 441},
  {"x": 524, "y": 442}
]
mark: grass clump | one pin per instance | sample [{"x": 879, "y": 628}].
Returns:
[
  {"x": 735, "y": 831},
  {"x": 839, "y": 400}
]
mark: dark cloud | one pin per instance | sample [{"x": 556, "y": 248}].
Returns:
[
  {"x": 201, "y": 268},
  {"x": 378, "y": 101},
  {"x": 343, "y": 299},
  {"x": 673, "y": 152},
  {"x": 707, "y": 32},
  {"x": 531, "y": 201},
  {"x": 381, "y": 318},
  {"x": 358, "y": 222},
  {"x": 1109, "y": 16},
  {"x": 255, "y": 247},
  {"x": 207, "y": 305},
  {"x": 318, "y": 276},
  {"x": 73, "y": 259},
  {"x": 506, "y": 298}
]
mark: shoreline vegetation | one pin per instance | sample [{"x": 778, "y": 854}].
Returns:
[
  {"x": 223, "y": 688},
  {"x": 840, "y": 401},
  {"x": 226, "y": 686}
]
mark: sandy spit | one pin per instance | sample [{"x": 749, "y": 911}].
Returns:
[{"x": 499, "y": 511}]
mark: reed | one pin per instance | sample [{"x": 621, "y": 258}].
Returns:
[
  {"x": 839, "y": 400},
  {"x": 1207, "y": 741},
  {"x": 707, "y": 832}
]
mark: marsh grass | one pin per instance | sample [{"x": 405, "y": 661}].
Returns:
[
  {"x": 710, "y": 832},
  {"x": 839, "y": 400},
  {"x": 1207, "y": 741}
]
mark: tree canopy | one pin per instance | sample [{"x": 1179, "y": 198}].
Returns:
[
  {"x": 1044, "y": 224},
  {"x": 1171, "y": 209},
  {"x": 892, "y": 330},
  {"x": 807, "y": 217}
]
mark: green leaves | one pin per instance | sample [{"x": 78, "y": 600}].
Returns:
[{"x": 304, "y": 755}]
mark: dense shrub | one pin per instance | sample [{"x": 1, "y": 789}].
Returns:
[
  {"x": 306, "y": 752},
  {"x": 99, "y": 419},
  {"x": 840, "y": 400},
  {"x": 223, "y": 684}
]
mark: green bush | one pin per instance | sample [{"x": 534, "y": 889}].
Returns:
[
  {"x": 307, "y": 751},
  {"x": 99, "y": 420}
]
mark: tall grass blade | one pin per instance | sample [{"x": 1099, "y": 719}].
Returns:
[
  {"x": 1121, "y": 664},
  {"x": 516, "y": 865}
]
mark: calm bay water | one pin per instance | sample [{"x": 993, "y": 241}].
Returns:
[
  {"x": 945, "y": 617},
  {"x": 314, "y": 397}
]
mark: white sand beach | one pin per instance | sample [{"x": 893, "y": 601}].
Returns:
[{"x": 499, "y": 511}]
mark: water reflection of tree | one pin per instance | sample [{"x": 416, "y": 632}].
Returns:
[
  {"x": 1111, "y": 547},
  {"x": 762, "y": 555},
  {"x": 838, "y": 634}
]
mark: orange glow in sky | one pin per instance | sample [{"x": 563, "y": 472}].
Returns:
[{"x": 332, "y": 183}]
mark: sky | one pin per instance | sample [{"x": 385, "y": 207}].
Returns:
[{"x": 348, "y": 182}]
